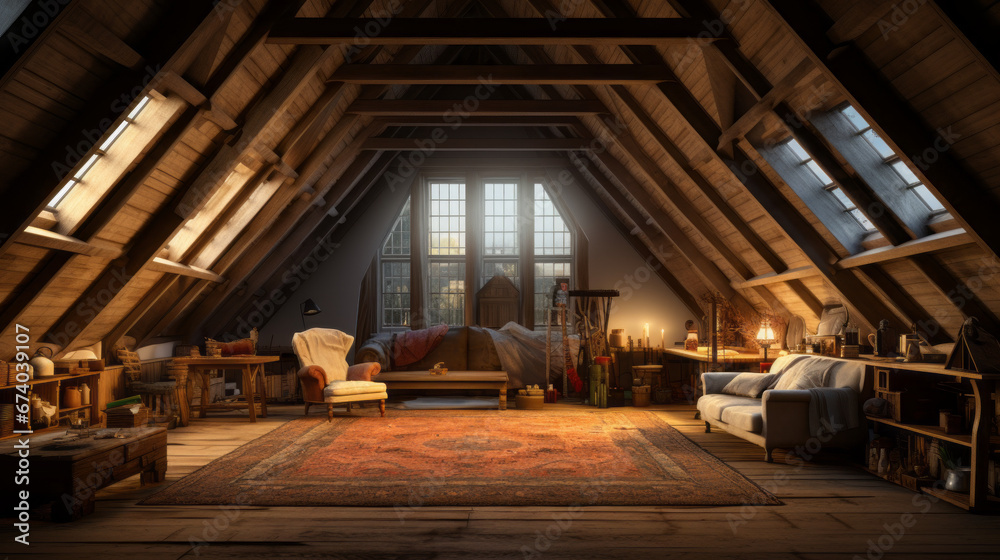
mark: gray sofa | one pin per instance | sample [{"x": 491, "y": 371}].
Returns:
[{"x": 813, "y": 401}]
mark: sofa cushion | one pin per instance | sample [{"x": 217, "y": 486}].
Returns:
[
  {"x": 712, "y": 406},
  {"x": 748, "y": 418},
  {"x": 482, "y": 352},
  {"x": 805, "y": 374},
  {"x": 749, "y": 384},
  {"x": 343, "y": 388},
  {"x": 453, "y": 351}
]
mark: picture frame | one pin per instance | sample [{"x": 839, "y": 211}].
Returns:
[{"x": 829, "y": 345}]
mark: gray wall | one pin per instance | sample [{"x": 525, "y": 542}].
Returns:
[{"x": 613, "y": 265}]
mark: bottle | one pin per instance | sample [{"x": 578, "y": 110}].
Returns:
[
  {"x": 883, "y": 463},
  {"x": 84, "y": 394}
]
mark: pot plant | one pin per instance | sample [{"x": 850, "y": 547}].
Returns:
[{"x": 956, "y": 477}]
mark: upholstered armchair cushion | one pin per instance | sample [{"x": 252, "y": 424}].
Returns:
[{"x": 345, "y": 388}]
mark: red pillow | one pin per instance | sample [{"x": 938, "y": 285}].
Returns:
[{"x": 411, "y": 346}]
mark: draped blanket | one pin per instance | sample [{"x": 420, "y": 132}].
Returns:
[{"x": 522, "y": 354}]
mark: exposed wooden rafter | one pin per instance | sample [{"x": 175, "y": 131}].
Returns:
[
  {"x": 961, "y": 191},
  {"x": 489, "y": 31},
  {"x": 455, "y": 74},
  {"x": 455, "y": 109}
]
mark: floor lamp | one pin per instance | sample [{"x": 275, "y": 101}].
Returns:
[{"x": 308, "y": 307}]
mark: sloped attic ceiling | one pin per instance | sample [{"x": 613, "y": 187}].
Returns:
[{"x": 254, "y": 128}]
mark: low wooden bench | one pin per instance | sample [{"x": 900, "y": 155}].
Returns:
[{"x": 451, "y": 380}]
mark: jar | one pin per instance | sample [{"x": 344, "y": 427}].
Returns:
[{"x": 617, "y": 338}]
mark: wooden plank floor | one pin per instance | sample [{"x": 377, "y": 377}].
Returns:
[{"x": 832, "y": 510}]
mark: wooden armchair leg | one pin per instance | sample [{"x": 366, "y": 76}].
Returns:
[
  {"x": 307, "y": 408},
  {"x": 329, "y": 412},
  {"x": 381, "y": 407}
]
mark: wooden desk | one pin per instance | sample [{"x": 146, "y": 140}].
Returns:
[
  {"x": 451, "y": 380},
  {"x": 69, "y": 474},
  {"x": 252, "y": 368},
  {"x": 704, "y": 358}
]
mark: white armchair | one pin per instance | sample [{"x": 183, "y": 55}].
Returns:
[{"x": 325, "y": 376}]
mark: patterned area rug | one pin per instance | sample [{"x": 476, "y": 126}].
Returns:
[{"x": 469, "y": 458}]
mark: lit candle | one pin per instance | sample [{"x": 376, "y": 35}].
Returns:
[
  {"x": 645, "y": 333},
  {"x": 662, "y": 331}
]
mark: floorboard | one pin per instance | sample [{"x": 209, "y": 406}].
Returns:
[{"x": 832, "y": 509}]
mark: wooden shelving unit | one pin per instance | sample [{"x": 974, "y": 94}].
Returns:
[
  {"x": 979, "y": 442},
  {"x": 933, "y": 431},
  {"x": 50, "y": 388}
]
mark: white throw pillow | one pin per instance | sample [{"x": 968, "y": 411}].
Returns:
[
  {"x": 749, "y": 384},
  {"x": 805, "y": 374}
]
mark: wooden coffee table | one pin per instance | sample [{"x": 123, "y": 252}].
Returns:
[
  {"x": 451, "y": 380},
  {"x": 69, "y": 474}
]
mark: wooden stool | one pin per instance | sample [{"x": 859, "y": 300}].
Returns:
[{"x": 159, "y": 398}]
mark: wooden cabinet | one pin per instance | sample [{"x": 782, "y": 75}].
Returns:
[
  {"x": 50, "y": 389},
  {"x": 915, "y": 393}
]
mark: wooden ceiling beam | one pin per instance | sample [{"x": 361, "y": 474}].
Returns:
[
  {"x": 489, "y": 31},
  {"x": 676, "y": 154},
  {"x": 500, "y": 161},
  {"x": 927, "y": 244},
  {"x": 779, "y": 93},
  {"x": 45, "y": 239},
  {"x": 297, "y": 150},
  {"x": 715, "y": 25},
  {"x": 168, "y": 50},
  {"x": 675, "y": 197},
  {"x": 477, "y": 121},
  {"x": 900, "y": 298},
  {"x": 221, "y": 300},
  {"x": 165, "y": 289},
  {"x": 645, "y": 253},
  {"x": 491, "y": 75},
  {"x": 860, "y": 193},
  {"x": 956, "y": 291},
  {"x": 296, "y": 247},
  {"x": 707, "y": 270},
  {"x": 772, "y": 278},
  {"x": 795, "y": 226},
  {"x": 86, "y": 31},
  {"x": 477, "y": 144},
  {"x": 191, "y": 197},
  {"x": 308, "y": 171},
  {"x": 961, "y": 191},
  {"x": 453, "y": 111},
  {"x": 807, "y": 297},
  {"x": 176, "y": 268}
]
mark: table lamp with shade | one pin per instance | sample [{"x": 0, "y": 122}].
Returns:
[
  {"x": 765, "y": 336},
  {"x": 308, "y": 307}
]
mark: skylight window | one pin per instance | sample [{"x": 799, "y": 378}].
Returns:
[
  {"x": 101, "y": 150},
  {"x": 890, "y": 158},
  {"x": 805, "y": 160}
]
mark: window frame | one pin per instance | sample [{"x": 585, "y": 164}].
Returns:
[
  {"x": 474, "y": 258},
  {"x": 875, "y": 168}
]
